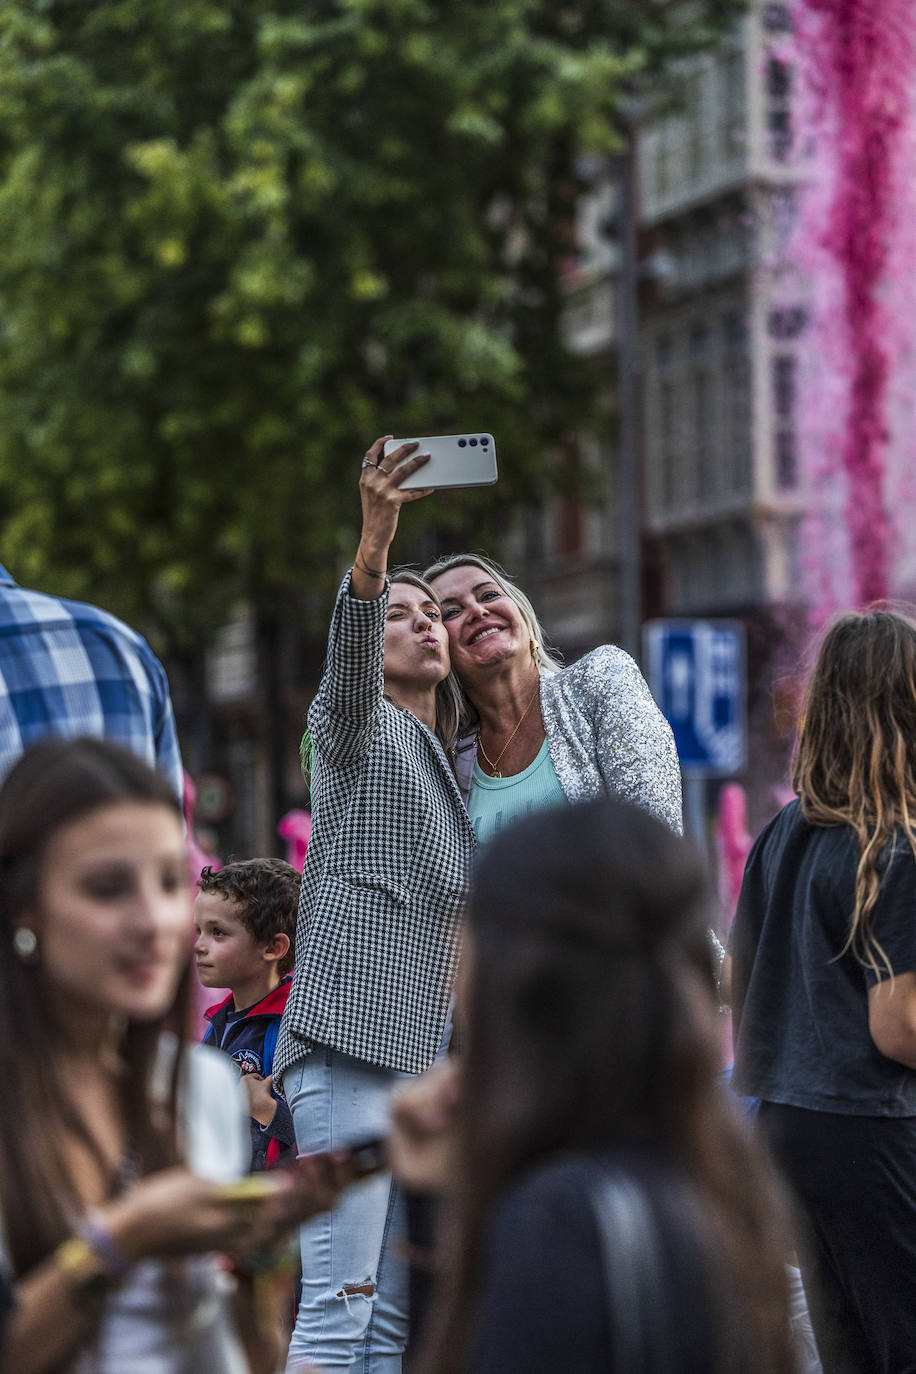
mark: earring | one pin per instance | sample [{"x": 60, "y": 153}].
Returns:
[
  {"x": 535, "y": 651},
  {"x": 25, "y": 944}
]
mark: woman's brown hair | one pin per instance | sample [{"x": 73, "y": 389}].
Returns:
[
  {"x": 56, "y": 783},
  {"x": 591, "y": 1022},
  {"x": 451, "y": 703},
  {"x": 855, "y": 757},
  {"x": 450, "y": 700}
]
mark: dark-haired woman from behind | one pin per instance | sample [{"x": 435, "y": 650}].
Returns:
[
  {"x": 604, "y": 1209},
  {"x": 824, "y": 993}
]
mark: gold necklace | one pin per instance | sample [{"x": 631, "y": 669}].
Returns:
[{"x": 492, "y": 764}]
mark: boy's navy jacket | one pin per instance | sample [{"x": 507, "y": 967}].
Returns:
[{"x": 249, "y": 1038}]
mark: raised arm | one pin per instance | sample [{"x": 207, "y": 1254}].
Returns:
[
  {"x": 382, "y": 498},
  {"x": 343, "y": 715}
]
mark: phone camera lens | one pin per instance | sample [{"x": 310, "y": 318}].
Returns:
[
  {"x": 462, "y": 443},
  {"x": 484, "y": 442},
  {"x": 473, "y": 443}
]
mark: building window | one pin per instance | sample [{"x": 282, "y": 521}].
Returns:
[
  {"x": 569, "y": 531},
  {"x": 785, "y": 397},
  {"x": 736, "y": 389},
  {"x": 704, "y": 434},
  {"x": 786, "y": 459},
  {"x": 668, "y": 446},
  {"x": 784, "y": 388},
  {"x": 663, "y": 167},
  {"x": 779, "y": 79},
  {"x": 701, "y": 400},
  {"x": 779, "y": 127},
  {"x": 787, "y": 322},
  {"x": 693, "y": 127},
  {"x": 731, "y": 105},
  {"x": 777, "y": 19},
  {"x": 778, "y": 86}
]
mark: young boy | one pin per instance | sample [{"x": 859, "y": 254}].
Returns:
[{"x": 245, "y": 915}]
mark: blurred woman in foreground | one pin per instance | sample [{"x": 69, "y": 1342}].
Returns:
[
  {"x": 606, "y": 1211},
  {"x": 120, "y": 1155}
]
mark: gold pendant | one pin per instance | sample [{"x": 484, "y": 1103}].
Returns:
[{"x": 496, "y": 773}]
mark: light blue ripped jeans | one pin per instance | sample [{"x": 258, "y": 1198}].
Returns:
[{"x": 336, "y": 1100}]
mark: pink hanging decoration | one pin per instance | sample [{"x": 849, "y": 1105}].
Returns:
[
  {"x": 855, "y": 118},
  {"x": 733, "y": 844},
  {"x": 295, "y": 828}
]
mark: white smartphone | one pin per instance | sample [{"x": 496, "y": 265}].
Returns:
[{"x": 455, "y": 460}]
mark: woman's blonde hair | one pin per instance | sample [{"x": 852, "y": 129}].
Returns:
[
  {"x": 855, "y": 757},
  {"x": 546, "y": 657}
]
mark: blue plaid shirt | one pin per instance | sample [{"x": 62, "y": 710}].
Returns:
[{"x": 71, "y": 669}]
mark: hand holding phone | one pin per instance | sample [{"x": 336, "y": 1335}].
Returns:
[{"x": 455, "y": 460}]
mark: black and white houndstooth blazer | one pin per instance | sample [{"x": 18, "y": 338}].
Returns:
[{"x": 387, "y": 866}]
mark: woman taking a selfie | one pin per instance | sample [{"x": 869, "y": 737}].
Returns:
[
  {"x": 103, "y": 1225},
  {"x": 536, "y": 734},
  {"x": 604, "y": 1212},
  {"x": 377, "y": 940}
]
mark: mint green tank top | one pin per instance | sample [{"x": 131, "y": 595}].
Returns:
[{"x": 496, "y": 802}]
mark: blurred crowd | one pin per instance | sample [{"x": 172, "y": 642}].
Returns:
[{"x": 444, "y": 1090}]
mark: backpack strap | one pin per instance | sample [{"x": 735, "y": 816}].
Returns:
[
  {"x": 633, "y": 1278},
  {"x": 270, "y": 1044}
]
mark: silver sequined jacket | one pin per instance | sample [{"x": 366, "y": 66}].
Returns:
[{"x": 606, "y": 736}]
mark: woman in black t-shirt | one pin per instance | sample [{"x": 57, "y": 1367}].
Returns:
[
  {"x": 604, "y": 1211},
  {"x": 824, "y": 993}
]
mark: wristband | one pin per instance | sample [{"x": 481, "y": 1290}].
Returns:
[
  {"x": 93, "y": 1230},
  {"x": 92, "y": 1261},
  {"x": 370, "y": 572},
  {"x": 85, "y": 1270}
]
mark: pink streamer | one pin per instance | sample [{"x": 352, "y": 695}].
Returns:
[
  {"x": 295, "y": 828},
  {"x": 855, "y": 247}
]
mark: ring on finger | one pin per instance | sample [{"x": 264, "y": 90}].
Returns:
[{"x": 368, "y": 463}]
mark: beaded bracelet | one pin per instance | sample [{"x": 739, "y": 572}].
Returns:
[
  {"x": 92, "y": 1260},
  {"x": 93, "y": 1230},
  {"x": 370, "y": 572}
]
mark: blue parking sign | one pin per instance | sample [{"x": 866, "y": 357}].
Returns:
[{"x": 696, "y": 669}]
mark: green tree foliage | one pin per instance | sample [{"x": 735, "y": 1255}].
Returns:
[{"x": 240, "y": 238}]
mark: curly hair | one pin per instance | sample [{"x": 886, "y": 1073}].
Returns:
[
  {"x": 855, "y": 756},
  {"x": 265, "y": 898}
]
